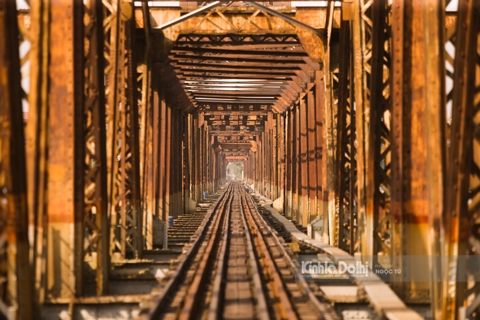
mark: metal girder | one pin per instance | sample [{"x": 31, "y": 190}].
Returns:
[
  {"x": 435, "y": 122},
  {"x": 237, "y": 66},
  {"x": 238, "y": 128},
  {"x": 237, "y": 52},
  {"x": 125, "y": 191},
  {"x": 461, "y": 298},
  {"x": 36, "y": 145},
  {"x": 96, "y": 236},
  {"x": 361, "y": 69},
  {"x": 225, "y": 20},
  {"x": 189, "y": 15},
  {"x": 237, "y": 39},
  {"x": 267, "y": 60},
  {"x": 303, "y": 164},
  {"x": 17, "y": 298},
  {"x": 346, "y": 164},
  {"x": 285, "y": 17},
  {"x": 378, "y": 189},
  {"x": 409, "y": 198},
  {"x": 148, "y": 135},
  {"x": 216, "y": 107}
]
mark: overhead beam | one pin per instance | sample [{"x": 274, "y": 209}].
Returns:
[
  {"x": 208, "y": 73},
  {"x": 292, "y": 47},
  {"x": 266, "y": 59},
  {"x": 242, "y": 107},
  {"x": 286, "y": 18},
  {"x": 236, "y": 52},
  {"x": 188, "y": 15},
  {"x": 238, "y": 76},
  {"x": 199, "y": 65}
]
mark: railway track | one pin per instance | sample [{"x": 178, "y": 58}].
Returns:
[{"x": 237, "y": 268}]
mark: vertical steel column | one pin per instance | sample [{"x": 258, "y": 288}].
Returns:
[
  {"x": 361, "y": 51},
  {"x": 274, "y": 152},
  {"x": 435, "y": 113},
  {"x": 320, "y": 152},
  {"x": 152, "y": 154},
  {"x": 111, "y": 27},
  {"x": 96, "y": 234},
  {"x": 187, "y": 159},
  {"x": 297, "y": 177},
  {"x": 174, "y": 162},
  {"x": 180, "y": 164},
  {"x": 202, "y": 157},
  {"x": 126, "y": 206},
  {"x": 303, "y": 190},
  {"x": 17, "y": 295},
  {"x": 281, "y": 159},
  {"x": 345, "y": 187},
  {"x": 168, "y": 165},
  {"x": 36, "y": 142},
  {"x": 257, "y": 164},
  {"x": 146, "y": 137},
  {"x": 330, "y": 113},
  {"x": 290, "y": 142},
  {"x": 379, "y": 155},
  {"x": 162, "y": 147},
  {"x": 461, "y": 295},
  {"x": 268, "y": 152},
  {"x": 196, "y": 166},
  {"x": 135, "y": 226},
  {"x": 260, "y": 164},
  {"x": 66, "y": 151},
  {"x": 409, "y": 204},
  {"x": 311, "y": 153}
]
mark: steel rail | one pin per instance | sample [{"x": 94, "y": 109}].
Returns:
[
  {"x": 285, "y": 305},
  {"x": 184, "y": 265},
  {"x": 262, "y": 309},
  {"x": 324, "y": 309},
  {"x": 193, "y": 291},
  {"x": 215, "y": 308}
]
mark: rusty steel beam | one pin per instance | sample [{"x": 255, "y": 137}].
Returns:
[
  {"x": 378, "y": 174},
  {"x": 281, "y": 161},
  {"x": 460, "y": 298},
  {"x": 238, "y": 74},
  {"x": 111, "y": 38},
  {"x": 303, "y": 163},
  {"x": 286, "y": 18},
  {"x": 330, "y": 112},
  {"x": 96, "y": 236},
  {"x": 162, "y": 132},
  {"x": 144, "y": 96},
  {"x": 320, "y": 150},
  {"x": 127, "y": 215},
  {"x": 188, "y": 15},
  {"x": 226, "y": 20},
  {"x": 236, "y": 51},
  {"x": 36, "y": 137},
  {"x": 65, "y": 201},
  {"x": 435, "y": 75},
  {"x": 312, "y": 144},
  {"x": 17, "y": 286},
  {"x": 269, "y": 62},
  {"x": 409, "y": 197},
  {"x": 345, "y": 187},
  {"x": 362, "y": 103},
  {"x": 297, "y": 172}
]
